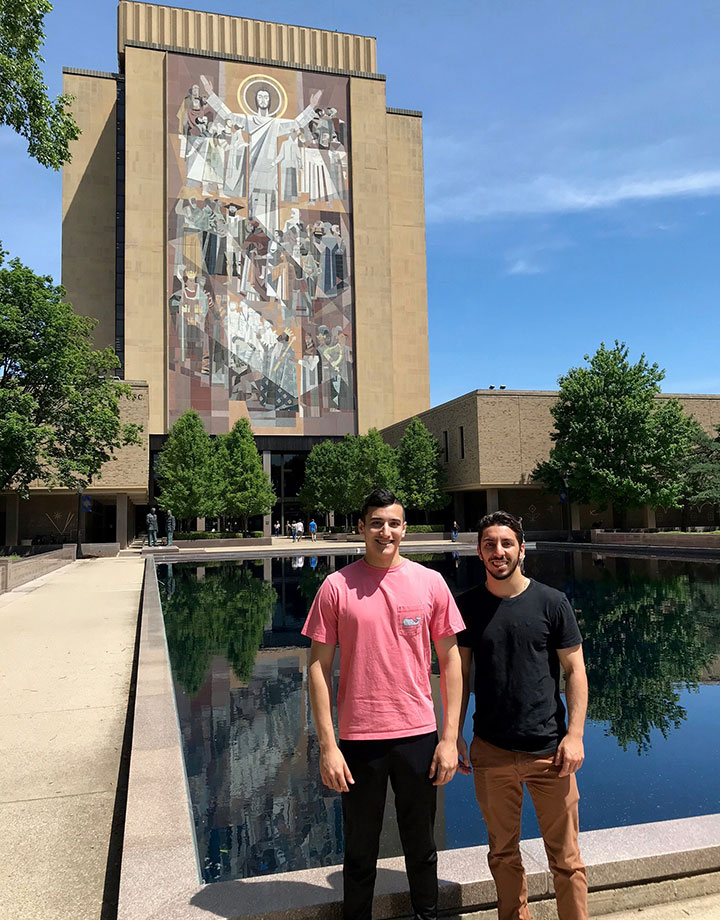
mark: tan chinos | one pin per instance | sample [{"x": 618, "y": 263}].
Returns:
[{"x": 499, "y": 776}]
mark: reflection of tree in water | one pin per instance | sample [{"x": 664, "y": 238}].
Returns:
[
  {"x": 221, "y": 614},
  {"x": 645, "y": 639}
]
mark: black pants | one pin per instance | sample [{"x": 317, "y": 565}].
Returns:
[{"x": 406, "y": 761}]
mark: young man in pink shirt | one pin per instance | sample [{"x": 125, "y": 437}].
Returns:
[{"x": 384, "y": 611}]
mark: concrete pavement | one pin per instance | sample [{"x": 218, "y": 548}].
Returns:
[
  {"x": 694, "y": 909},
  {"x": 66, "y": 657}
]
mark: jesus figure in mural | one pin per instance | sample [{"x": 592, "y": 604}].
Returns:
[{"x": 263, "y": 130}]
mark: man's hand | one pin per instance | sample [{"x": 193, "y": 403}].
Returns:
[
  {"x": 315, "y": 98},
  {"x": 334, "y": 770},
  {"x": 444, "y": 763},
  {"x": 463, "y": 757},
  {"x": 206, "y": 84},
  {"x": 570, "y": 755}
]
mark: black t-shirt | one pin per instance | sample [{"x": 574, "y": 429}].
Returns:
[{"x": 517, "y": 671}]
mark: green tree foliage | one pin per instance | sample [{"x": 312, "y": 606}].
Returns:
[
  {"x": 184, "y": 469},
  {"x": 645, "y": 639},
  {"x": 222, "y": 614},
  {"x": 325, "y": 478},
  {"x": 421, "y": 473},
  {"x": 244, "y": 488},
  {"x": 703, "y": 473},
  {"x": 613, "y": 441},
  {"x": 24, "y": 103},
  {"x": 59, "y": 406},
  {"x": 373, "y": 465},
  {"x": 339, "y": 475}
]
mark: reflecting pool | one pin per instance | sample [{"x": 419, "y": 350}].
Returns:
[{"x": 652, "y": 645}]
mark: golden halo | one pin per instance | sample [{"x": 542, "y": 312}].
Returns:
[{"x": 250, "y": 85}]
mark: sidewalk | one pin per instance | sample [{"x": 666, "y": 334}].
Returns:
[
  {"x": 695, "y": 909},
  {"x": 65, "y": 664}
]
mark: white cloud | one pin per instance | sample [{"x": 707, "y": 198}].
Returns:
[
  {"x": 523, "y": 267},
  {"x": 546, "y": 194},
  {"x": 552, "y": 165}
]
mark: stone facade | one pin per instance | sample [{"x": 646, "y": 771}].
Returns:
[
  {"x": 490, "y": 442},
  {"x": 118, "y": 231}
]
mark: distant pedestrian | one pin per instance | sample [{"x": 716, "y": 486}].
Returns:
[
  {"x": 151, "y": 522},
  {"x": 300, "y": 529},
  {"x": 276, "y": 528},
  {"x": 288, "y": 529},
  {"x": 294, "y": 531},
  {"x": 455, "y": 531},
  {"x": 313, "y": 530},
  {"x": 170, "y": 527}
]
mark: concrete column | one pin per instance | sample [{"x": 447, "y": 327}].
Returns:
[
  {"x": 121, "y": 519},
  {"x": 574, "y": 516},
  {"x": 493, "y": 500},
  {"x": 649, "y": 517},
  {"x": 200, "y": 523},
  {"x": 267, "y": 518},
  {"x": 267, "y": 570},
  {"x": 12, "y": 519},
  {"x": 459, "y": 509}
]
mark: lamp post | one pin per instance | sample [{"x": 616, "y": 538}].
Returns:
[{"x": 78, "y": 546}]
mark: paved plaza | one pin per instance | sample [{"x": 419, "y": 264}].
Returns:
[{"x": 65, "y": 665}]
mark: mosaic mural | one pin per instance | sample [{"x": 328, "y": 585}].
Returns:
[{"x": 259, "y": 247}]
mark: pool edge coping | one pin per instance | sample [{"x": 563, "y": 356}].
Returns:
[{"x": 160, "y": 874}]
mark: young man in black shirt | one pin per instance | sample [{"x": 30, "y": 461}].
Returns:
[{"x": 521, "y": 633}]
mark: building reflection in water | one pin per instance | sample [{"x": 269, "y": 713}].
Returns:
[{"x": 240, "y": 667}]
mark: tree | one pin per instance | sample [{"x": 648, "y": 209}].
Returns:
[
  {"x": 421, "y": 474},
  {"x": 245, "y": 487},
  {"x": 184, "y": 469},
  {"x": 59, "y": 405},
  {"x": 325, "y": 478},
  {"x": 613, "y": 441},
  {"x": 703, "y": 473},
  {"x": 339, "y": 475},
  {"x": 373, "y": 465},
  {"x": 24, "y": 104}
]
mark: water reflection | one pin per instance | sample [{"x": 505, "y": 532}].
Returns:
[
  {"x": 240, "y": 667},
  {"x": 646, "y": 640},
  {"x": 220, "y": 611}
]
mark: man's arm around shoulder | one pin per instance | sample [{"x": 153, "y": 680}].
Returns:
[
  {"x": 571, "y": 753},
  {"x": 334, "y": 771}
]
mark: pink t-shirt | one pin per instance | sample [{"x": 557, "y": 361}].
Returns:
[{"x": 383, "y": 620}]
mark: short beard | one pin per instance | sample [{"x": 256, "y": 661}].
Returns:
[{"x": 507, "y": 575}]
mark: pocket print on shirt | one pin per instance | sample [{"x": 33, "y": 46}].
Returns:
[{"x": 410, "y": 619}]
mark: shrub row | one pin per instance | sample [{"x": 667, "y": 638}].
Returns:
[{"x": 213, "y": 535}]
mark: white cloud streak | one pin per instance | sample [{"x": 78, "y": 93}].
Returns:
[
  {"x": 523, "y": 267},
  {"x": 547, "y": 194}
]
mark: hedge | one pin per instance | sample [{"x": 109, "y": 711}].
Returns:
[{"x": 213, "y": 535}]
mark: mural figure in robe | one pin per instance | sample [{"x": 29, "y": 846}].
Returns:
[{"x": 263, "y": 131}]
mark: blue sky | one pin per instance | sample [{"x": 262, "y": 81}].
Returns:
[{"x": 572, "y": 172}]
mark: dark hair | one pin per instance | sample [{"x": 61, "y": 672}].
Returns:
[
  {"x": 379, "y": 498},
  {"x": 501, "y": 519}
]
